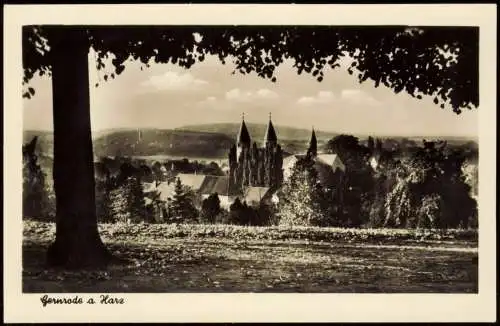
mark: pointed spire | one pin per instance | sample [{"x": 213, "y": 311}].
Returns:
[
  {"x": 313, "y": 144},
  {"x": 243, "y": 137},
  {"x": 270, "y": 136}
]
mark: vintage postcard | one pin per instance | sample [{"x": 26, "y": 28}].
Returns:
[{"x": 229, "y": 163}]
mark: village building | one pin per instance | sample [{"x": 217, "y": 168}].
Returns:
[
  {"x": 379, "y": 160},
  {"x": 374, "y": 161},
  {"x": 202, "y": 186},
  {"x": 254, "y": 196},
  {"x": 329, "y": 166}
]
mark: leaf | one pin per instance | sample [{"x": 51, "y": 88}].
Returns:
[{"x": 120, "y": 69}]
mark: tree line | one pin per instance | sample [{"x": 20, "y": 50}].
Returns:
[{"x": 419, "y": 186}]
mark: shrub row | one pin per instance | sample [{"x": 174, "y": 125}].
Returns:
[{"x": 119, "y": 231}]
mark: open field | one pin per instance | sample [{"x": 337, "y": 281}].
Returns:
[{"x": 221, "y": 258}]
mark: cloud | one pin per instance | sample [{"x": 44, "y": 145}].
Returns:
[
  {"x": 350, "y": 93},
  {"x": 358, "y": 96},
  {"x": 306, "y": 100},
  {"x": 209, "y": 101},
  {"x": 266, "y": 93},
  {"x": 173, "y": 81},
  {"x": 239, "y": 95},
  {"x": 214, "y": 103},
  {"x": 323, "y": 97}
]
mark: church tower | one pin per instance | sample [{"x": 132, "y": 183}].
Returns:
[
  {"x": 243, "y": 140},
  {"x": 270, "y": 139},
  {"x": 313, "y": 145}
]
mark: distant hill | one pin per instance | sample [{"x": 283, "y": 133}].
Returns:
[
  {"x": 257, "y": 131},
  {"x": 163, "y": 142},
  {"x": 210, "y": 141},
  {"x": 126, "y": 142}
]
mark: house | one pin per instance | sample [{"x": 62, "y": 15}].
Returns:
[
  {"x": 331, "y": 160},
  {"x": 148, "y": 186},
  {"x": 221, "y": 186},
  {"x": 166, "y": 191},
  {"x": 193, "y": 181},
  {"x": 202, "y": 187},
  {"x": 374, "y": 161},
  {"x": 254, "y": 196},
  {"x": 379, "y": 160},
  {"x": 327, "y": 166},
  {"x": 225, "y": 168}
]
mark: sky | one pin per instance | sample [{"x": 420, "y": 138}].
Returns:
[{"x": 167, "y": 96}]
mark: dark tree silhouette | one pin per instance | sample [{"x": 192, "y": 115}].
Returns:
[
  {"x": 77, "y": 243},
  {"x": 35, "y": 195},
  {"x": 371, "y": 144},
  {"x": 400, "y": 57},
  {"x": 182, "y": 208},
  {"x": 210, "y": 208}
]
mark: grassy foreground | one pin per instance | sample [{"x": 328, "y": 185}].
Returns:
[{"x": 223, "y": 258}]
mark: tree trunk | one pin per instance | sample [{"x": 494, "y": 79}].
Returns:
[{"x": 77, "y": 244}]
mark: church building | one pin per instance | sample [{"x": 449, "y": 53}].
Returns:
[
  {"x": 255, "y": 173},
  {"x": 254, "y": 166}
]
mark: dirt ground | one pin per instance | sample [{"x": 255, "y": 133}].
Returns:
[{"x": 221, "y": 265}]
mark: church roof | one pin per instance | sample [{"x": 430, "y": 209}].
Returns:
[
  {"x": 270, "y": 135},
  {"x": 243, "y": 136}
]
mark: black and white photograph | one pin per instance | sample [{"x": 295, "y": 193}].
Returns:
[{"x": 249, "y": 158}]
